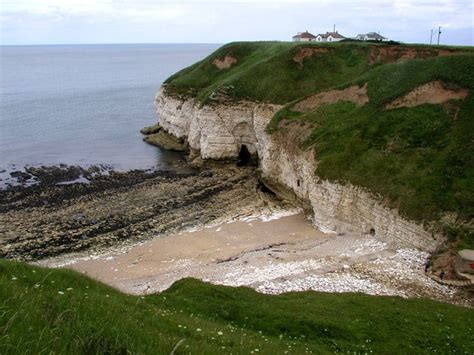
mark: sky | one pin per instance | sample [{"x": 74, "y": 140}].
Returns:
[{"x": 212, "y": 21}]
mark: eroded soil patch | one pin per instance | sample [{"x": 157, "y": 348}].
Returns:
[
  {"x": 355, "y": 94},
  {"x": 389, "y": 54},
  {"x": 434, "y": 92},
  {"x": 305, "y": 53},
  {"x": 225, "y": 63}
]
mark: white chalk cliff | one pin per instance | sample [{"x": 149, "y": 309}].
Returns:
[{"x": 217, "y": 131}]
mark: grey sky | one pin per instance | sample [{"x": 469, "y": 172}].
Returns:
[{"x": 193, "y": 21}]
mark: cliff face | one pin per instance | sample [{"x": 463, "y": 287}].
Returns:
[{"x": 218, "y": 131}]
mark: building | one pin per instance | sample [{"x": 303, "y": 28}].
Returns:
[
  {"x": 304, "y": 37},
  {"x": 371, "y": 36},
  {"x": 465, "y": 262},
  {"x": 330, "y": 37}
]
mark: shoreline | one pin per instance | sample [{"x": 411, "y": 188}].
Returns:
[
  {"x": 275, "y": 251},
  {"x": 140, "y": 231}
]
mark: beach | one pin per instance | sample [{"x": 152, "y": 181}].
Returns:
[{"x": 267, "y": 245}]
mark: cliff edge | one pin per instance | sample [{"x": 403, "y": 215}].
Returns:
[{"x": 372, "y": 139}]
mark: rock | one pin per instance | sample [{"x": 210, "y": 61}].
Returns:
[
  {"x": 219, "y": 131},
  {"x": 151, "y": 129},
  {"x": 166, "y": 141},
  {"x": 20, "y": 176}
]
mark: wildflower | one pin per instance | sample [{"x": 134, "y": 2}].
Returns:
[
  {"x": 198, "y": 329},
  {"x": 219, "y": 333},
  {"x": 14, "y": 278},
  {"x": 61, "y": 292},
  {"x": 69, "y": 289}
]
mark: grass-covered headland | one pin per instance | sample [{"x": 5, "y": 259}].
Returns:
[
  {"x": 419, "y": 159},
  {"x": 60, "y": 311}
]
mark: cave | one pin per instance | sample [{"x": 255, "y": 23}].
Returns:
[{"x": 244, "y": 156}]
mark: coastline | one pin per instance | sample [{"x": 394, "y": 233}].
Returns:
[
  {"x": 273, "y": 250},
  {"x": 140, "y": 231}
]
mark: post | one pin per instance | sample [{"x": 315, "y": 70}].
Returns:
[
  {"x": 439, "y": 33},
  {"x": 334, "y": 28},
  {"x": 431, "y": 37}
]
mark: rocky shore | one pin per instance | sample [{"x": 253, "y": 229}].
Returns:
[{"x": 114, "y": 208}]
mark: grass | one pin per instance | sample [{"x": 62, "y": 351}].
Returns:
[
  {"x": 60, "y": 311},
  {"x": 267, "y": 72},
  {"x": 254, "y": 76},
  {"x": 420, "y": 159}
]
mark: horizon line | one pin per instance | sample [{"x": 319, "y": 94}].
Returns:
[{"x": 99, "y": 44}]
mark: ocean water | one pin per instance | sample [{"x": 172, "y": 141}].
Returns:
[{"x": 85, "y": 104}]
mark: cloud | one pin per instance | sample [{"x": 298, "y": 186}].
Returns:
[{"x": 66, "y": 21}]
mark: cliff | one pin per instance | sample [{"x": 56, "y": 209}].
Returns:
[{"x": 371, "y": 139}]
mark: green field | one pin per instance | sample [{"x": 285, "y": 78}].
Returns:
[
  {"x": 420, "y": 159},
  {"x": 60, "y": 311}
]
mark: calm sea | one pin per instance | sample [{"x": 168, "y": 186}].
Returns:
[{"x": 84, "y": 104}]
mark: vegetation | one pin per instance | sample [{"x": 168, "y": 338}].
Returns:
[
  {"x": 274, "y": 72},
  {"x": 266, "y": 71},
  {"x": 60, "y": 311},
  {"x": 419, "y": 159}
]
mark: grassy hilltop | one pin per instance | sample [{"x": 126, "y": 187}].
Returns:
[
  {"x": 60, "y": 311},
  {"x": 420, "y": 159}
]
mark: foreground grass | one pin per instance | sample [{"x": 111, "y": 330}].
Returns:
[{"x": 60, "y": 311}]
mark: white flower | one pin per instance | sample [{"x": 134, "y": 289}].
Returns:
[
  {"x": 14, "y": 278},
  {"x": 219, "y": 333},
  {"x": 69, "y": 289},
  {"x": 61, "y": 292},
  {"x": 198, "y": 329}
]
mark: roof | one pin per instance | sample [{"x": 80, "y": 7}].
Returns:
[
  {"x": 305, "y": 34},
  {"x": 467, "y": 254},
  {"x": 374, "y": 35},
  {"x": 332, "y": 34}
]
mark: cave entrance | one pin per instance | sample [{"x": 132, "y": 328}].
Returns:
[{"x": 244, "y": 156}]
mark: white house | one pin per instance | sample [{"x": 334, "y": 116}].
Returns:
[
  {"x": 304, "y": 37},
  {"x": 330, "y": 37},
  {"x": 371, "y": 36}
]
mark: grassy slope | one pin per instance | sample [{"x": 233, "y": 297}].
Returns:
[
  {"x": 419, "y": 159},
  {"x": 61, "y": 311},
  {"x": 266, "y": 71}
]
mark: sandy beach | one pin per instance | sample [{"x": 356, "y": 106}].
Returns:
[
  {"x": 273, "y": 252},
  {"x": 140, "y": 232}
]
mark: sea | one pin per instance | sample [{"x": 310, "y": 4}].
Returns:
[{"x": 85, "y": 104}]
